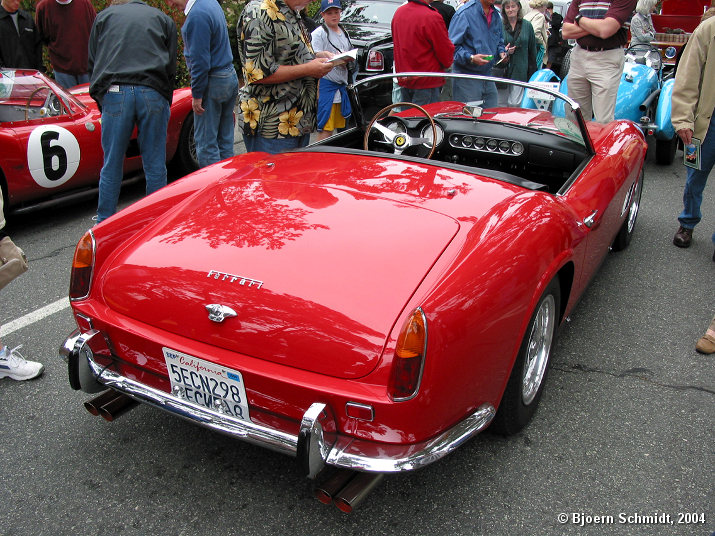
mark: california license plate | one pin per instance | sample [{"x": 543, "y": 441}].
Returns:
[{"x": 206, "y": 384}]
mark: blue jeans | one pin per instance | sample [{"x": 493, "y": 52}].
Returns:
[
  {"x": 696, "y": 179},
  {"x": 213, "y": 129},
  {"x": 71, "y": 80},
  {"x": 421, "y": 96},
  {"x": 464, "y": 90},
  {"x": 274, "y": 145},
  {"x": 121, "y": 110}
]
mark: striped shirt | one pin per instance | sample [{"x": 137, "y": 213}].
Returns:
[{"x": 621, "y": 10}]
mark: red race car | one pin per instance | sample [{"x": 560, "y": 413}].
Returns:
[
  {"x": 369, "y": 302},
  {"x": 50, "y": 140}
]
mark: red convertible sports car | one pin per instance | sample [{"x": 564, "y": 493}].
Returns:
[
  {"x": 50, "y": 140},
  {"x": 369, "y": 302}
]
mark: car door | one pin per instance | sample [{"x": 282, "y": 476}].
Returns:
[
  {"x": 599, "y": 193},
  {"x": 599, "y": 198}
]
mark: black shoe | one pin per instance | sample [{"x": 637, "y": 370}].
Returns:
[{"x": 683, "y": 237}]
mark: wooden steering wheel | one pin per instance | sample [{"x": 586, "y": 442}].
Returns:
[
  {"x": 400, "y": 141},
  {"x": 29, "y": 99}
]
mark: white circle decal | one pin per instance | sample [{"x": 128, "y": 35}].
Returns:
[{"x": 52, "y": 155}]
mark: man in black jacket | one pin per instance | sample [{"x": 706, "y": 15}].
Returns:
[
  {"x": 20, "y": 43},
  {"x": 132, "y": 65}
]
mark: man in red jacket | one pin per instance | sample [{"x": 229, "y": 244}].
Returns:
[{"x": 421, "y": 43}]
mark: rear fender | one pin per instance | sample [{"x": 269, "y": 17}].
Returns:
[{"x": 562, "y": 267}]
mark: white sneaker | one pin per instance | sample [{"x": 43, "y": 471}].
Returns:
[{"x": 13, "y": 365}]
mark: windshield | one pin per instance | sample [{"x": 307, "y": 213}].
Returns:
[
  {"x": 27, "y": 95},
  {"x": 644, "y": 54},
  {"x": 541, "y": 108},
  {"x": 539, "y": 141}
]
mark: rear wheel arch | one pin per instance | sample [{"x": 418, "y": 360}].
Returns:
[
  {"x": 528, "y": 375},
  {"x": 509, "y": 422}
]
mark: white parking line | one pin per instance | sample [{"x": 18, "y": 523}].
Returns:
[{"x": 34, "y": 316}]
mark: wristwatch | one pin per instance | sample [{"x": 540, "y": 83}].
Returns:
[{"x": 577, "y": 18}]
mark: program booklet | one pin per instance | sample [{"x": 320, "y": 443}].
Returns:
[
  {"x": 344, "y": 57},
  {"x": 691, "y": 154}
]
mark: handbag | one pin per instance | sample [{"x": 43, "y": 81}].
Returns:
[
  {"x": 13, "y": 261},
  {"x": 500, "y": 70}
]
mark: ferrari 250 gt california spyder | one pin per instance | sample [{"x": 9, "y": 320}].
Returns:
[{"x": 369, "y": 302}]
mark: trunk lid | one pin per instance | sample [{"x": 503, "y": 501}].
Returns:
[{"x": 316, "y": 275}]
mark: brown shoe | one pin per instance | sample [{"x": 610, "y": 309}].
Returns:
[
  {"x": 683, "y": 237},
  {"x": 706, "y": 343}
]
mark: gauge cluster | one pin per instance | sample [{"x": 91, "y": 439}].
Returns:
[
  {"x": 487, "y": 145},
  {"x": 427, "y": 134},
  {"x": 499, "y": 144}
]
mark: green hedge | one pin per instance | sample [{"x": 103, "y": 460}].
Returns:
[{"x": 232, "y": 10}]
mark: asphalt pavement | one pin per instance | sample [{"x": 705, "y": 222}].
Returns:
[{"x": 622, "y": 442}]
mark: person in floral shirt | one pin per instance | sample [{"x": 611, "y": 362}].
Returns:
[{"x": 280, "y": 72}]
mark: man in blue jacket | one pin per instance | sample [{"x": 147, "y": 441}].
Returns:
[
  {"x": 214, "y": 84},
  {"x": 476, "y": 31}
]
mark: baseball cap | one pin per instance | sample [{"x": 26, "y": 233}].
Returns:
[{"x": 327, "y": 4}]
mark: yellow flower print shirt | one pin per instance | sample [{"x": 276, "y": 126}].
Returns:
[{"x": 270, "y": 35}]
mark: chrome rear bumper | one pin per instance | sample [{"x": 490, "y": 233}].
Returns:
[{"x": 317, "y": 442}]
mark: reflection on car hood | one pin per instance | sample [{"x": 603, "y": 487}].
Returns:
[{"x": 317, "y": 275}]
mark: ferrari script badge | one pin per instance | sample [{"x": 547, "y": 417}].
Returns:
[
  {"x": 223, "y": 276},
  {"x": 218, "y": 312}
]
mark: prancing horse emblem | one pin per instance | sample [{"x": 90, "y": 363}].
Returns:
[{"x": 218, "y": 312}]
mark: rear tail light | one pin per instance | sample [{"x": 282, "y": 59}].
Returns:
[
  {"x": 82, "y": 267},
  {"x": 375, "y": 61},
  {"x": 409, "y": 358}
]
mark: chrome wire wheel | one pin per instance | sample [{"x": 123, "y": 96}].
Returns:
[
  {"x": 635, "y": 205},
  {"x": 538, "y": 349}
]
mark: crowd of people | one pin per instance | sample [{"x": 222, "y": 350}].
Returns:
[{"x": 292, "y": 87}]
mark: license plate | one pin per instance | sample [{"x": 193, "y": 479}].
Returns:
[{"x": 206, "y": 384}]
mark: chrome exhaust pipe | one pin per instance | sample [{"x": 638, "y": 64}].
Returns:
[
  {"x": 116, "y": 407},
  {"x": 356, "y": 490},
  {"x": 326, "y": 490},
  {"x": 97, "y": 402}
]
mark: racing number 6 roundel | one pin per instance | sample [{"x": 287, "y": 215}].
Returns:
[{"x": 52, "y": 155}]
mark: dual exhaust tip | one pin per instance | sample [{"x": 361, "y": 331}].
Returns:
[
  {"x": 346, "y": 489},
  {"x": 110, "y": 404},
  {"x": 343, "y": 488}
]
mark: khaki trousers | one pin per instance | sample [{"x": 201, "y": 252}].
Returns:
[{"x": 593, "y": 81}]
